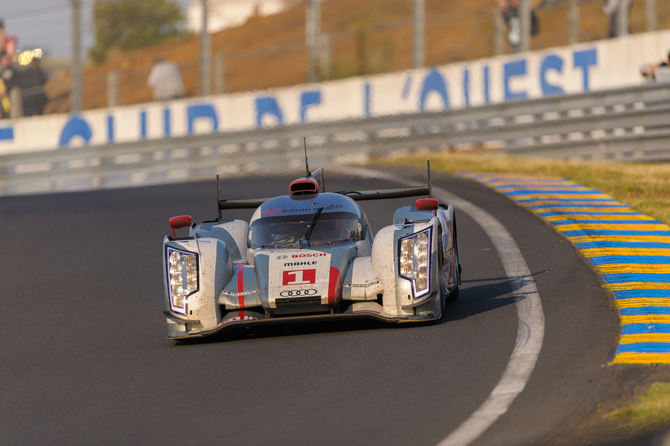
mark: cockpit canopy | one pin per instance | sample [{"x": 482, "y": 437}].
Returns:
[
  {"x": 282, "y": 221},
  {"x": 284, "y": 231}
]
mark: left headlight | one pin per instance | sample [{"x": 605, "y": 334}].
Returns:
[
  {"x": 414, "y": 260},
  {"x": 182, "y": 277}
]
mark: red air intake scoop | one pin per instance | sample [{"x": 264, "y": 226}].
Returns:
[{"x": 304, "y": 186}]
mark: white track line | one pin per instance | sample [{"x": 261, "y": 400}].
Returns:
[{"x": 530, "y": 333}]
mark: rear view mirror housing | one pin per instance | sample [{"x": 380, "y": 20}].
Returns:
[{"x": 180, "y": 221}]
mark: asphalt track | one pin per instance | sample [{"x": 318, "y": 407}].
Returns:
[{"x": 85, "y": 359}]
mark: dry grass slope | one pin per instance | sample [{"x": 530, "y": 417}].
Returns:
[{"x": 651, "y": 412}]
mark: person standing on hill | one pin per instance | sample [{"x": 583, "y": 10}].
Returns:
[
  {"x": 7, "y": 43},
  {"x": 8, "y": 80},
  {"x": 662, "y": 71},
  {"x": 510, "y": 13},
  {"x": 32, "y": 80},
  {"x": 611, "y": 9},
  {"x": 165, "y": 80}
]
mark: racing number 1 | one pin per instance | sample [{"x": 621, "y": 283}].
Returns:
[{"x": 299, "y": 277}]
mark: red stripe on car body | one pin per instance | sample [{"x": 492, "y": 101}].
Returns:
[
  {"x": 240, "y": 286},
  {"x": 334, "y": 286}
]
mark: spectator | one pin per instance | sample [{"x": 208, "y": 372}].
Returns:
[
  {"x": 4, "y": 101},
  {"x": 165, "y": 80},
  {"x": 8, "y": 43},
  {"x": 662, "y": 71},
  {"x": 8, "y": 70},
  {"x": 32, "y": 80},
  {"x": 8, "y": 79},
  {"x": 611, "y": 8},
  {"x": 510, "y": 12}
]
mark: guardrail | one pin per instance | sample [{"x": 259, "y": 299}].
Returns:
[{"x": 621, "y": 124}]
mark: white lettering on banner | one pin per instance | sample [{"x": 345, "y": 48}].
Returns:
[
  {"x": 562, "y": 70},
  {"x": 301, "y": 278}
]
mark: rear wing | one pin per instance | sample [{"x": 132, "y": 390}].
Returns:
[
  {"x": 242, "y": 203},
  {"x": 357, "y": 195},
  {"x": 380, "y": 194}
]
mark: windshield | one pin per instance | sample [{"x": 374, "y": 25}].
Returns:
[{"x": 284, "y": 231}]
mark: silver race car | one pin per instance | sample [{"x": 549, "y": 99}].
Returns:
[{"x": 308, "y": 256}]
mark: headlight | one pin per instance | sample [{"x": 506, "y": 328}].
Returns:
[
  {"x": 182, "y": 277},
  {"x": 415, "y": 260}
]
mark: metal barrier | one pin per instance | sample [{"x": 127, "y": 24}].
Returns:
[{"x": 620, "y": 124}]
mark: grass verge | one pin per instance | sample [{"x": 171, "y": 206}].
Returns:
[
  {"x": 651, "y": 412},
  {"x": 644, "y": 187}
]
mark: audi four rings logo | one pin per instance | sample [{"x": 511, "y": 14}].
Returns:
[
  {"x": 284, "y": 257},
  {"x": 292, "y": 293}
]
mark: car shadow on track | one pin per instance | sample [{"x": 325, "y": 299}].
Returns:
[
  {"x": 304, "y": 329},
  {"x": 473, "y": 300},
  {"x": 299, "y": 329},
  {"x": 489, "y": 294}
]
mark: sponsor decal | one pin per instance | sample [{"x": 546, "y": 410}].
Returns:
[
  {"x": 243, "y": 293},
  {"x": 361, "y": 285},
  {"x": 299, "y": 277},
  {"x": 291, "y": 271},
  {"x": 239, "y": 319},
  {"x": 330, "y": 207},
  {"x": 274, "y": 211},
  {"x": 294, "y": 293},
  {"x": 300, "y": 263}
]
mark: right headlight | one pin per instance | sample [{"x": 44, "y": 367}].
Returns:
[
  {"x": 414, "y": 260},
  {"x": 182, "y": 277}
]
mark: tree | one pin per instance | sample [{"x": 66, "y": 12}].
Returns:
[{"x": 131, "y": 24}]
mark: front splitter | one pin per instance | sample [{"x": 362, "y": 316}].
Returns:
[{"x": 242, "y": 319}]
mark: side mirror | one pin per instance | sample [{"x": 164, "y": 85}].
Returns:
[
  {"x": 181, "y": 221},
  {"x": 427, "y": 204}
]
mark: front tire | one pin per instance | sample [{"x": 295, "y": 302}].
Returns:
[
  {"x": 451, "y": 298},
  {"x": 441, "y": 282}
]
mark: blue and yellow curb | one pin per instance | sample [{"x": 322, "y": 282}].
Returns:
[{"x": 630, "y": 250}]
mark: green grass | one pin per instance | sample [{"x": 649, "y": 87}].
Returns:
[
  {"x": 644, "y": 187},
  {"x": 652, "y": 411}
]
